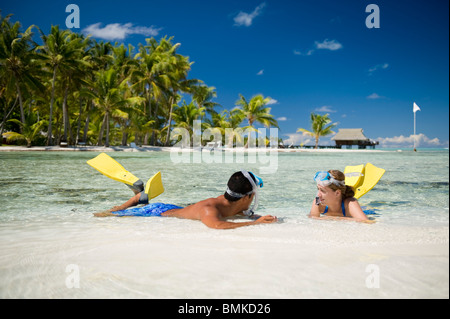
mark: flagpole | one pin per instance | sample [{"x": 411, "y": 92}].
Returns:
[{"x": 415, "y": 132}]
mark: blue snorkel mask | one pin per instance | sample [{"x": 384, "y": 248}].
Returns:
[
  {"x": 324, "y": 179},
  {"x": 255, "y": 186}
]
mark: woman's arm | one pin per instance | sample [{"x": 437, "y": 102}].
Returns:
[
  {"x": 315, "y": 211},
  {"x": 355, "y": 211}
]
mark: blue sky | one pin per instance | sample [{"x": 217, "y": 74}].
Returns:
[{"x": 308, "y": 56}]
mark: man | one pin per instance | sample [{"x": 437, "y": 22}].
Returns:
[{"x": 213, "y": 212}]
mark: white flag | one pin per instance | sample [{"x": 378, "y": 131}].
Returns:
[{"x": 416, "y": 108}]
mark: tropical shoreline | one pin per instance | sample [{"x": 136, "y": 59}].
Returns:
[{"x": 169, "y": 149}]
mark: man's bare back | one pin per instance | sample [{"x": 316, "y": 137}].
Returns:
[{"x": 213, "y": 212}]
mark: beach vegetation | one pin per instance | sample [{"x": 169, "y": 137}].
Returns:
[
  {"x": 85, "y": 91},
  {"x": 255, "y": 111},
  {"x": 31, "y": 130},
  {"x": 320, "y": 126}
]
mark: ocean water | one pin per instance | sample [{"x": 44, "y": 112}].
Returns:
[{"x": 52, "y": 247}]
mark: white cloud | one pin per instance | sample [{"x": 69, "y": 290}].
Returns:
[
  {"x": 326, "y": 44},
  {"x": 117, "y": 31},
  {"x": 308, "y": 53},
  {"x": 282, "y": 119},
  {"x": 374, "y": 96},
  {"x": 408, "y": 141},
  {"x": 377, "y": 67},
  {"x": 246, "y": 19},
  {"x": 332, "y": 45},
  {"x": 272, "y": 101},
  {"x": 325, "y": 108},
  {"x": 260, "y": 72},
  {"x": 297, "y": 139},
  {"x": 303, "y": 139}
]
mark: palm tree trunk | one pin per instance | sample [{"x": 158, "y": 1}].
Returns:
[
  {"x": 107, "y": 130},
  {"x": 65, "y": 113},
  {"x": 317, "y": 142},
  {"x": 100, "y": 135},
  {"x": 124, "y": 138},
  {"x": 50, "y": 117},
  {"x": 22, "y": 113},
  {"x": 77, "y": 137},
  {"x": 171, "y": 101},
  {"x": 86, "y": 125},
  {"x": 149, "y": 116},
  {"x": 153, "y": 138}
]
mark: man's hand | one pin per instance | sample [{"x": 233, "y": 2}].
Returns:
[{"x": 266, "y": 219}]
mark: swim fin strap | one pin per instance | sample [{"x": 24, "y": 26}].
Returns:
[
  {"x": 112, "y": 169},
  {"x": 354, "y": 175}
]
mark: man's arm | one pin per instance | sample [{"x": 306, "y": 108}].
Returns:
[{"x": 212, "y": 220}]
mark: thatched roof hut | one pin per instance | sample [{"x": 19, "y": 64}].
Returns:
[{"x": 353, "y": 136}]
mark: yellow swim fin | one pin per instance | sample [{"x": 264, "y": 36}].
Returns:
[
  {"x": 372, "y": 175},
  {"x": 112, "y": 169},
  {"x": 354, "y": 175},
  {"x": 154, "y": 186}
]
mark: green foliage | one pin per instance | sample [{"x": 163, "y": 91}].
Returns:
[{"x": 74, "y": 89}]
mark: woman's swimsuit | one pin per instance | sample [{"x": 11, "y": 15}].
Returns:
[
  {"x": 343, "y": 209},
  {"x": 367, "y": 211},
  {"x": 153, "y": 209}
]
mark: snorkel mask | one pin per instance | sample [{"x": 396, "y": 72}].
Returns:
[
  {"x": 324, "y": 179},
  {"x": 255, "y": 186}
]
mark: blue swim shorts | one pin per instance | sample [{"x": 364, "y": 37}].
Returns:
[{"x": 153, "y": 209}]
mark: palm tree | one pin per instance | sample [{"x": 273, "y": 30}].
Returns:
[
  {"x": 18, "y": 60},
  {"x": 203, "y": 96},
  {"x": 228, "y": 123},
  {"x": 60, "y": 50},
  {"x": 179, "y": 68},
  {"x": 152, "y": 74},
  {"x": 319, "y": 127},
  {"x": 108, "y": 96},
  {"x": 100, "y": 57},
  {"x": 186, "y": 114},
  {"x": 73, "y": 75},
  {"x": 256, "y": 111}
]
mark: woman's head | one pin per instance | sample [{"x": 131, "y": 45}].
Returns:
[
  {"x": 332, "y": 185},
  {"x": 346, "y": 191}
]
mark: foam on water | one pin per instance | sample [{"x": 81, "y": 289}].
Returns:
[{"x": 46, "y": 225}]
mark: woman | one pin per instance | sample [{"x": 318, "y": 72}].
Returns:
[{"x": 335, "y": 199}]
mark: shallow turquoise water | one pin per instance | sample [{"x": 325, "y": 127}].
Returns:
[
  {"x": 46, "y": 225},
  {"x": 414, "y": 189}
]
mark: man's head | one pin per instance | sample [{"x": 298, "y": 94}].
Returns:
[{"x": 241, "y": 186}]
